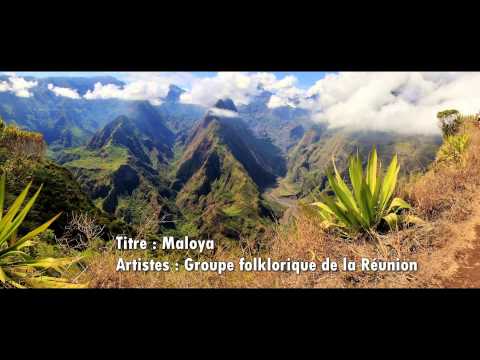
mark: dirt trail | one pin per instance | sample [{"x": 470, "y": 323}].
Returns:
[
  {"x": 468, "y": 272},
  {"x": 467, "y": 257}
]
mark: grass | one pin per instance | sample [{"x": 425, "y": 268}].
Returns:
[
  {"x": 110, "y": 159},
  {"x": 232, "y": 211},
  {"x": 445, "y": 196}
]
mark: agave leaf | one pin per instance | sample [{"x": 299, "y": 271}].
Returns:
[
  {"x": 325, "y": 224},
  {"x": 356, "y": 176},
  {"x": 323, "y": 207},
  {"x": 340, "y": 205},
  {"x": 367, "y": 203},
  {"x": 16, "y": 253},
  {"x": 389, "y": 183},
  {"x": 49, "y": 263},
  {"x": 398, "y": 204},
  {"x": 15, "y": 207},
  {"x": 358, "y": 184},
  {"x": 392, "y": 220},
  {"x": 15, "y": 284},
  {"x": 375, "y": 197},
  {"x": 39, "y": 229},
  {"x": 12, "y": 227},
  {"x": 372, "y": 167},
  {"x": 342, "y": 191},
  {"x": 21, "y": 243},
  {"x": 339, "y": 213},
  {"x": 412, "y": 219},
  {"x": 348, "y": 206},
  {"x": 3, "y": 276},
  {"x": 52, "y": 282}
]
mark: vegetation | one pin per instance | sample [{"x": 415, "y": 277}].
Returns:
[
  {"x": 368, "y": 203},
  {"x": 21, "y": 143},
  {"x": 453, "y": 149},
  {"x": 17, "y": 267},
  {"x": 220, "y": 179},
  {"x": 445, "y": 197},
  {"x": 109, "y": 159},
  {"x": 309, "y": 160},
  {"x": 218, "y": 192},
  {"x": 449, "y": 121}
]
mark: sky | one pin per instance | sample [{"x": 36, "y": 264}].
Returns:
[
  {"x": 405, "y": 102},
  {"x": 305, "y": 78}
]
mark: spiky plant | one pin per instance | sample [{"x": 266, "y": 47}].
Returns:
[
  {"x": 17, "y": 268},
  {"x": 370, "y": 201},
  {"x": 453, "y": 149}
]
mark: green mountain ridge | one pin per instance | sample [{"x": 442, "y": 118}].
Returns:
[
  {"x": 310, "y": 158},
  {"x": 221, "y": 175},
  {"x": 127, "y": 154}
]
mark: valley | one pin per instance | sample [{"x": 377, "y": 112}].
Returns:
[
  {"x": 226, "y": 172},
  {"x": 109, "y": 180}
]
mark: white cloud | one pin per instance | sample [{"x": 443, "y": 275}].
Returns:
[
  {"x": 405, "y": 102},
  {"x": 241, "y": 87},
  {"x": 399, "y": 101},
  {"x": 152, "y": 86},
  {"x": 63, "y": 91},
  {"x": 206, "y": 91},
  {"x": 277, "y": 101},
  {"x": 17, "y": 85},
  {"x": 223, "y": 113}
]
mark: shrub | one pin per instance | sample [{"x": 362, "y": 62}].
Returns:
[
  {"x": 453, "y": 149},
  {"x": 368, "y": 203},
  {"x": 18, "y": 268},
  {"x": 21, "y": 143},
  {"x": 450, "y": 121}
]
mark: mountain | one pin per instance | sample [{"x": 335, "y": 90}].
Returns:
[
  {"x": 283, "y": 124},
  {"x": 142, "y": 130},
  {"x": 179, "y": 117},
  {"x": 64, "y": 122},
  {"x": 132, "y": 152},
  {"x": 218, "y": 171},
  {"x": 174, "y": 93},
  {"x": 60, "y": 193},
  {"x": 222, "y": 173},
  {"x": 309, "y": 159}
]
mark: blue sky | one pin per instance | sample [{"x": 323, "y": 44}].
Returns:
[
  {"x": 397, "y": 101},
  {"x": 305, "y": 78}
]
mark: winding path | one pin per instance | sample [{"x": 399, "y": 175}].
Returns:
[{"x": 468, "y": 273}]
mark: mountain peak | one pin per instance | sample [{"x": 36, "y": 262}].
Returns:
[
  {"x": 174, "y": 93},
  {"x": 226, "y": 104}
]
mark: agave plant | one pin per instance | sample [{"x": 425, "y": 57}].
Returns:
[
  {"x": 453, "y": 149},
  {"x": 17, "y": 268},
  {"x": 368, "y": 203}
]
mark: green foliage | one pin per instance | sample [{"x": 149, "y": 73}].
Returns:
[
  {"x": 445, "y": 113},
  {"x": 453, "y": 149},
  {"x": 17, "y": 268},
  {"x": 450, "y": 121},
  {"x": 109, "y": 158},
  {"x": 232, "y": 211},
  {"x": 311, "y": 157},
  {"x": 21, "y": 143},
  {"x": 368, "y": 203}
]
